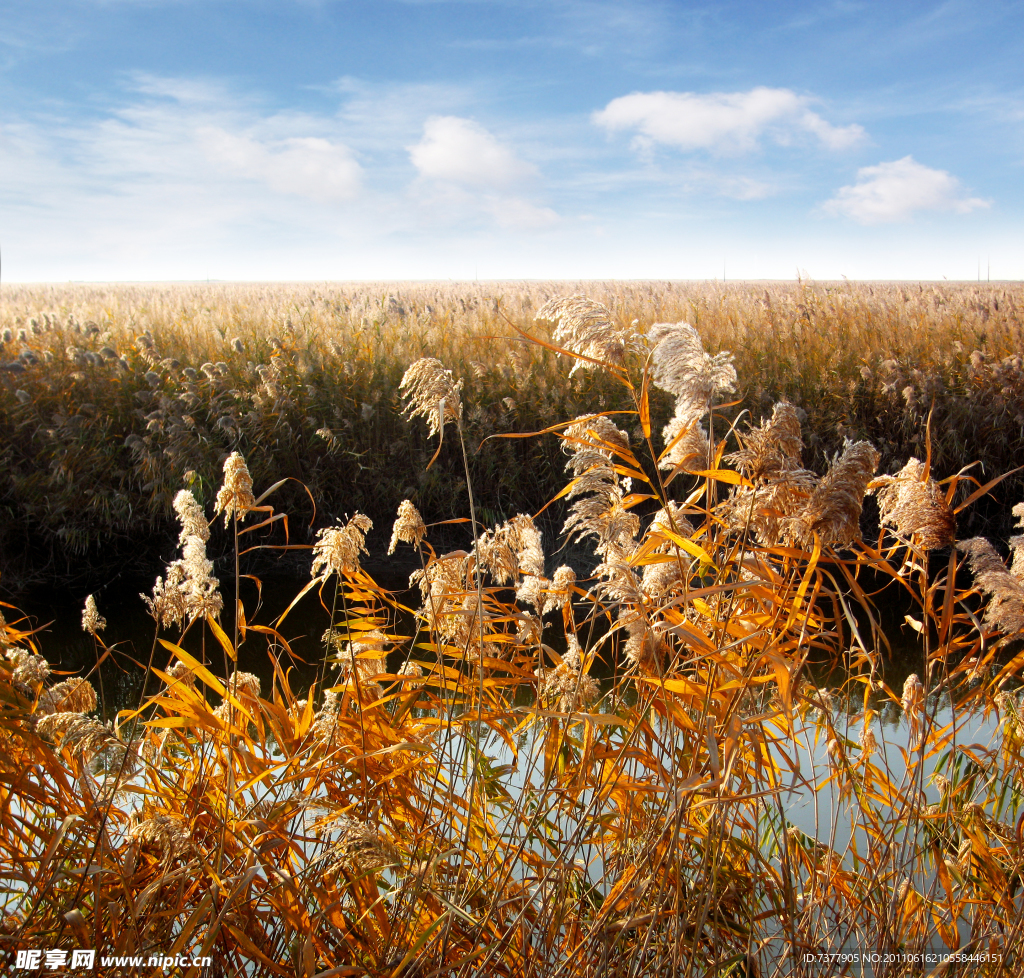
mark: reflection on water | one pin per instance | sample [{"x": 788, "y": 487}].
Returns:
[{"x": 826, "y": 815}]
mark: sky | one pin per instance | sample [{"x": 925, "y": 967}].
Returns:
[{"x": 283, "y": 140}]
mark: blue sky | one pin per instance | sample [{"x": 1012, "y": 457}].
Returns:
[{"x": 453, "y": 139}]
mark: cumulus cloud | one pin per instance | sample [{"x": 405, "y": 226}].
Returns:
[
  {"x": 722, "y": 122},
  {"x": 462, "y": 151},
  {"x": 475, "y": 175},
  {"x": 307, "y": 166},
  {"x": 893, "y": 191}
]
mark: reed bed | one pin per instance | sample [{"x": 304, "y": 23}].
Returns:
[
  {"x": 112, "y": 396},
  {"x": 468, "y": 798}
]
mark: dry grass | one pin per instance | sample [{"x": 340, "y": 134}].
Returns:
[
  {"x": 111, "y": 396},
  {"x": 467, "y": 800}
]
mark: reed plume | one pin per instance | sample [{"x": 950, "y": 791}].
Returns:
[
  {"x": 585, "y": 327},
  {"x": 29, "y": 668},
  {"x": 772, "y": 447},
  {"x": 567, "y": 684},
  {"x": 360, "y": 849},
  {"x": 832, "y": 511},
  {"x": 443, "y": 585},
  {"x": 1004, "y": 611},
  {"x": 687, "y": 445},
  {"x": 1017, "y": 544},
  {"x": 559, "y": 590},
  {"x": 338, "y": 548},
  {"x": 92, "y": 621},
  {"x": 364, "y": 657},
  {"x": 189, "y": 589},
  {"x": 408, "y": 528},
  {"x": 511, "y": 549},
  {"x": 235, "y": 497},
  {"x": 75, "y": 732},
  {"x": 915, "y": 506},
  {"x": 70, "y": 696},
  {"x": 770, "y": 458},
  {"x": 682, "y": 367},
  {"x": 190, "y": 514},
  {"x": 433, "y": 393},
  {"x": 167, "y": 834}
]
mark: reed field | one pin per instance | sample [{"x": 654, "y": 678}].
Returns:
[
  {"x": 114, "y": 397},
  {"x": 523, "y": 764}
]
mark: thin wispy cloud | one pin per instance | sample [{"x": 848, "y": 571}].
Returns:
[
  {"x": 305, "y": 166},
  {"x": 723, "y": 122},
  {"x": 895, "y": 191}
]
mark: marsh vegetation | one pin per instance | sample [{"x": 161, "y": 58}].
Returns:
[
  {"x": 113, "y": 398},
  {"x": 462, "y": 796}
]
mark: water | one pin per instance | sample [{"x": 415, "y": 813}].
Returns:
[{"x": 825, "y": 815}]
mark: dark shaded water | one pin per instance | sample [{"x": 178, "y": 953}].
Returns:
[
  {"x": 131, "y": 631},
  {"x": 130, "y": 636}
]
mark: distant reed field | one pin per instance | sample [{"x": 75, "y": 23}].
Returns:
[
  {"x": 512, "y": 767},
  {"x": 113, "y": 397}
]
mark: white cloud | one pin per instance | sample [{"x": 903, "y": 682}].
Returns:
[
  {"x": 722, "y": 122},
  {"x": 515, "y": 213},
  {"x": 307, "y": 166},
  {"x": 468, "y": 174},
  {"x": 893, "y": 191},
  {"x": 462, "y": 151}
]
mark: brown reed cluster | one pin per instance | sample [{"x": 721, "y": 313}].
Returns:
[
  {"x": 110, "y": 397},
  {"x": 587, "y": 771}
]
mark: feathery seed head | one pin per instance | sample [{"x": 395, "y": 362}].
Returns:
[
  {"x": 432, "y": 392},
  {"x": 1005, "y": 609},
  {"x": 594, "y": 433},
  {"x": 585, "y": 327},
  {"x": 243, "y": 684},
  {"x": 337, "y": 548},
  {"x": 76, "y": 732},
  {"x": 92, "y": 622},
  {"x": 359, "y": 849},
  {"x": 511, "y": 549},
  {"x": 559, "y": 589},
  {"x": 70, "y": 696},
  {"x": 687, "y": 445},
  {"x": 235, "y": 496},
  {"x": 365, "y": 655},
  {"x": 202, "y": 596},
  {"x": 530, "y": 591},
  {"x": 772, "y": 447},
  {"x": 409, "y": 527},
  {"x": 571, "y": 687},
  {"x": 915, "y": 506},
  {"x": 29, "y": 668},
  {"x": 834, "y": 507},
  {"x": 190, "y": 514},
  {"x": 913, "y": 695},
  {"x": 681, "y": 367},
  {"x": 182, "y": 674},
  {"x": 168, "y": 606},
  {"x": 166, "y": 833},
  {"x": 645, "y": 648},
  {"x": 670, "y": 519},
  {"x": 868, "y": 743}
]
